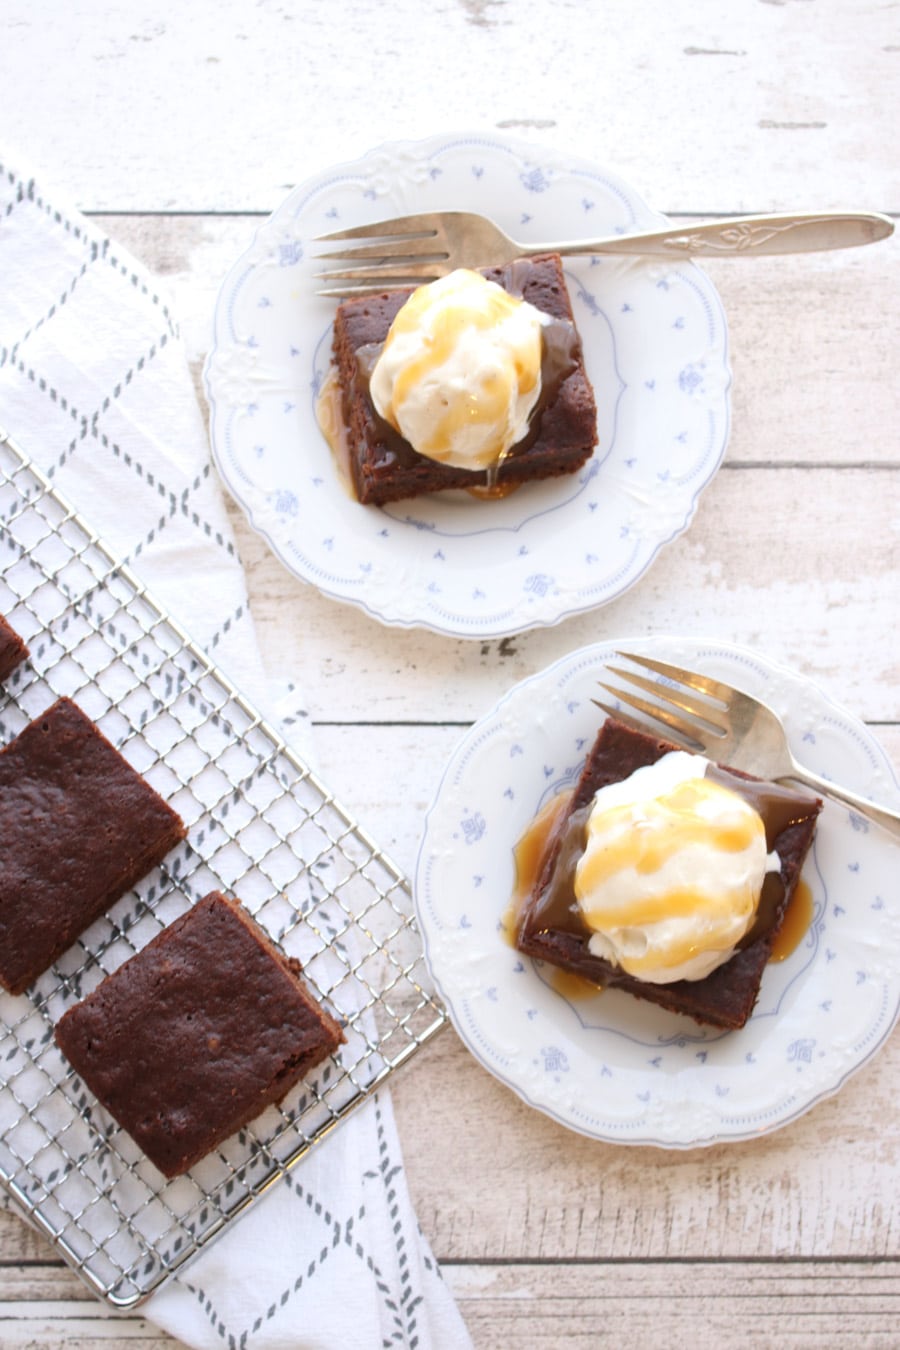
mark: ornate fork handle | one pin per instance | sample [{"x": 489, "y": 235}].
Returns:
[
  {"x": 742, "y": 236},
  {"x": 888, "y": 820}
]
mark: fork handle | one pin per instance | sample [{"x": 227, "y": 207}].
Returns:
[
  {"x": 740, "y": 236},
  {"x": 887, "y": 819}
]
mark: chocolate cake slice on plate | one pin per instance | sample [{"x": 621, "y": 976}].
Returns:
[
  {"x": 562, "y": 433},
  {"x": 550, "y": 925}
]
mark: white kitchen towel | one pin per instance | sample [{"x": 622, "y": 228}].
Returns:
[{"x": 94, "y": 386}]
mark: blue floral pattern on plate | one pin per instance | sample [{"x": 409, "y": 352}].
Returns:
[
  {"x": 606, "y": 1064},
  {"x": 655, "y": 346}
]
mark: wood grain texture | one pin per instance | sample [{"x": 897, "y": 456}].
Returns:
[
  {"x": 757, "y": 1306},
  {"x": 532, "y": 1190},
  {"x": 179, "y": 127},
  {"x": 805, "y": 606},
  {"x": 799, "y": 1305},
  {"x": 222, "y": 106}
]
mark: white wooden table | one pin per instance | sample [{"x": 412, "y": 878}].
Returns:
[{"x": 178, "y": 127}]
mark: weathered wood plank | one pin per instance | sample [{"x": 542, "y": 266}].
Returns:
[
  {"x": 690, "y": 1306},
  {"x": 513, "y": 1185},
  {"x": 43, "y": 1304},
  {"x": 812, "y": 584},
  {"x": 798, "y": 1305},
  {"x": 47, "y": 1326},
  {"x": 746, "y": 108}
]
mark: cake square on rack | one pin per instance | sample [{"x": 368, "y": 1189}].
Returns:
[
  {"x": 79, "y": 827},
  {"x": 198, "y": 1033}
]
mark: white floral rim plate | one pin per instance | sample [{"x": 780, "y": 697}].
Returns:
[
  {"x": 655, "y": 346},
  {"x": 609, "y": 1065}
]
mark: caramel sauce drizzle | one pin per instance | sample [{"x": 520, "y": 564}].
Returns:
[
  {"x": 559, "y": 353},
  {"x": 670, "y": 823},
  {"x": 558, "y": 906},
  {"x": 486, "y": 404}
]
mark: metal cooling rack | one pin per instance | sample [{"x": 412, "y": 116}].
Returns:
[{"x": 260, "y": 826}]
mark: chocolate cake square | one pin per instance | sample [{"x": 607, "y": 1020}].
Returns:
[
  {"x": 195, "y": 1035},
  {"x": 13, "y": 650},
  {"x": 549, "y": 924},
  {"x": 78, "y": 828},
  {"x": 383, "y": 465}
]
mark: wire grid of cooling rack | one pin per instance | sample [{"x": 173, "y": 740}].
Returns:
[{"x": 260, "y": 826}]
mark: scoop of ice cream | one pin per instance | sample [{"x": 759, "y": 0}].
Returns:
[
  {"x": 460, "y": 371},
  {"x": 672, "y": 871}
]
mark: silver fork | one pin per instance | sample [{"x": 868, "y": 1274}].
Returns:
[
  {"x": 727, "y": 725},
  {"x": 412, "y": 250}
]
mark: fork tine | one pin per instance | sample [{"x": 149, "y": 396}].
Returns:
[
  {"x": 619, "y": 715},
  {"x": 399, "y": 248},
  {"x": 677, "y": 698},
  {"x": 396, "y": 275},
  {"x": 400, "y": 225},
  {"x": 703, "y": 684},
  {"x": 376, "y": 285},
  {"x": 657, "y": 712}
]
